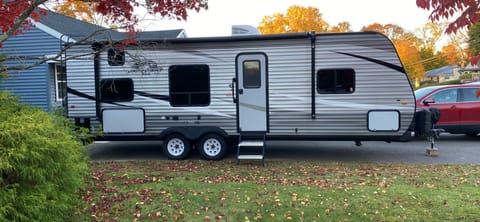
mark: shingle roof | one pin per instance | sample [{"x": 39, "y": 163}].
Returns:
[
  {"x": 445, "y": 71},
  {"x": 78, "y": 30}
]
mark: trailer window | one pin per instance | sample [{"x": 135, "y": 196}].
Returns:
[
  {"x": 333, "y": 81},
  {"x": 116, "y": 57},
  {"x": 189, "y": 85},
  {"x": 116, "y": 90},
  {"x": 251, "y": 74}
]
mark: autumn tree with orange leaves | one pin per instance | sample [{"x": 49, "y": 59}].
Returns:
[
  {"x": 299, "y": 19},
  {"x": 404, "y": 43},
  {"x": 79, "y": 9}
]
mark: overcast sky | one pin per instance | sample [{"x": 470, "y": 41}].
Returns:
[{"x": 222, "y": 14}]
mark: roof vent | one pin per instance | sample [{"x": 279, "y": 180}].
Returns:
[{"x": 244, "y": 30}]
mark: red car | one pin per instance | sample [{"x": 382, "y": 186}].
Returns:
[{"x": 459, "y": 106}]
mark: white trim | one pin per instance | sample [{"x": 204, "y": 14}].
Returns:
[{"x": 52, "y": 32}]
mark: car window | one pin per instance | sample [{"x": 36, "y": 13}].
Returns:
[
  {"x": 445, "y": 96},
  {"x": 419, "y": 93},
  {"x": 470, "y": 94}
]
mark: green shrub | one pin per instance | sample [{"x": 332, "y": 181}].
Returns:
[{"x": 42, "y": 164}]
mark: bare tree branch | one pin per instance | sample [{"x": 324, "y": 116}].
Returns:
[{"x": 42, "y": 60}]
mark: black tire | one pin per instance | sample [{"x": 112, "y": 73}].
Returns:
[
  {"x": 471, "y": 134},
  {"x": 212, "y": 147},
  {"x": 176, "y": 147}
]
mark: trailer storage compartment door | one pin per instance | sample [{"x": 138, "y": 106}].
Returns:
[{"x": 123, "y": 120}]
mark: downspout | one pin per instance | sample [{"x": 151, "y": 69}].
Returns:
[{"x": 313, "y": 37}]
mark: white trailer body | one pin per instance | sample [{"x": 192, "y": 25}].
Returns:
[{"x": 343, "y": 86}]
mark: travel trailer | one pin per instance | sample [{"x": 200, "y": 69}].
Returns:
[{"x": 204, "y": 93}]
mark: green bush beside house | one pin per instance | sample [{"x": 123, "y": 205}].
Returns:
[{"x": 43, "y": 164}]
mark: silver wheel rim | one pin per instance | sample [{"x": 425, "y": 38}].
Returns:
[
  {"x": 175, "y": 147},
  {"x": 212, "y": 147}
]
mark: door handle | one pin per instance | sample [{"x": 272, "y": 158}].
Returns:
[
  {"x": 233, "y": 86},
  {"x": 453, "y": 107},
  {"x": 240, "y": 91}
]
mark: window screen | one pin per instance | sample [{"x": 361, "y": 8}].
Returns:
[
  {"x": 332, "y": 81},
  {"x": 251, "y": 74},
  {"x": 116, "y": 90},
  {"x": 189, "y": 85}
]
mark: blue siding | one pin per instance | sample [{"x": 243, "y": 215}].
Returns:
[{"x": 32, "y": 85}]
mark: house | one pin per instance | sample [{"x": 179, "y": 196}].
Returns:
[
  {"x": 474, "y": 70},
  {"x": 44, "y": 85},
  {"x": 446, "y": 73}
]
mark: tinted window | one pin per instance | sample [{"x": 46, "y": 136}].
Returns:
[
  {"x": 116, "y": 90},
  {"x": 445, "y": 96},
  {"x": 335, "y": 81},
  {"x": 189, "y": 85},
  {"x": 116, "y": 57},
  {"x": 470, "y": 94},
  {"x": 251, "y": 74}
]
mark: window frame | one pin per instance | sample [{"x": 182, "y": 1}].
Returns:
[
  {"x": 189, "y": 94},
  {"x": 58, "y": 91},
  {"x": 115, "y": 57},
  {"x": 258, "y": 76},
  {"x": 335, "y": 75},
  {"x": 122, "y": 99}
]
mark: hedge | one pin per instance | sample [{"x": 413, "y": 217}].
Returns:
[{"x": 42, "y": 164}]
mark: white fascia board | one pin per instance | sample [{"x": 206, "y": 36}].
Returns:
[{"x": 52, "y": 32}]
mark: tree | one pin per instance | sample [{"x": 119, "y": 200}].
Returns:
[
  {"x": 79, "y": 9},
  {"x": 18, "y": 16},
  {"x": 405, "y": 44},
  {"x": 392, "y": 31},
  {"x": 16, "y": 13},
  {"x": 298, "y": 19},
  {"x": 410, "y": 57},
  {"x": 474, "y": 39},
  {"x": 465, "y": 10},
  {"x": 452, "y": 55},
  {"x": 341, "y": 27}
]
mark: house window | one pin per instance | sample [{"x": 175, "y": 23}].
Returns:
[
  {"x": 251, "y": 74},
  {"x": 189, "y": 85},
  {"x": 60, "y": 82},
  {"x": 335, "y": 81},
  {"x": 116, "y": 90}
]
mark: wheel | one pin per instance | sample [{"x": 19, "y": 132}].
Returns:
[
  {"x": 176, "y": 147},
  {"x": 471, "y": 134},
  {"x": 212, "y": 147}
]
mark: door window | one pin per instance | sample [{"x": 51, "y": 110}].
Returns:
[
  {"x": 251, "y": 74},
  {"x": 445, "y": 96}
]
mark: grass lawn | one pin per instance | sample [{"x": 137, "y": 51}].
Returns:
[{"x": 195, "y": 190}]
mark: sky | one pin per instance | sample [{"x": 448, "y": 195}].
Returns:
[{"x": 222, "y": 14}]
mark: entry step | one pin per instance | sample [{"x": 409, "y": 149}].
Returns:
[
  {"x": 250, "y": 157},
  {"x": 251, "y": 144}
]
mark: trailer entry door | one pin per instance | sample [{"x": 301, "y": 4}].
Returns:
[{"x": 252, "y": 92}]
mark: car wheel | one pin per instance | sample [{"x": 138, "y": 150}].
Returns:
[
  {"x": 176, "y": 147},
  {"x": 212, "y": 147}
]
